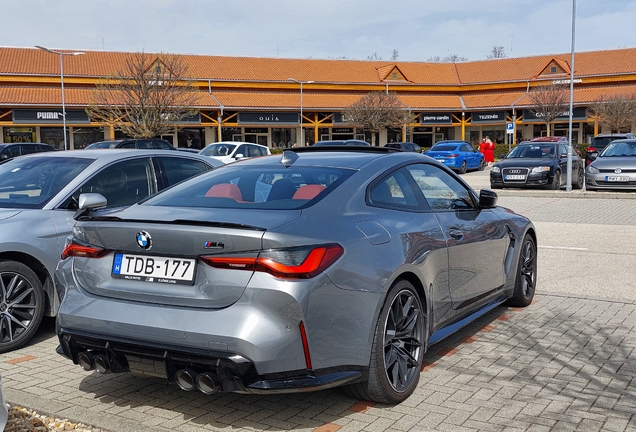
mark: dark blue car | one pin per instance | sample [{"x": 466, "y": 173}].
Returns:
[{"x": 457, "y": 155}]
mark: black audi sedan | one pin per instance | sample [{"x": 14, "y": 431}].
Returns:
[{"x": 537, "y": 163}]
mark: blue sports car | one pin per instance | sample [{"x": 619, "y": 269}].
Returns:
[{"x": 457, "y": 155}]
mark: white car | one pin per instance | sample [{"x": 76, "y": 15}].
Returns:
[{"x": 230, "y": 151}]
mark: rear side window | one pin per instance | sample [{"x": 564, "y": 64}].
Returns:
[
  {"x": 177, "y": 169},
  {"x": 144, "y": 144},
  {"x": 130, "y": 144},
  {"x": 28, "y": 149},
  {"x": 255, "y": 187}
]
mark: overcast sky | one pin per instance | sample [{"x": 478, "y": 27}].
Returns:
[{"x": 325, "y": 29}]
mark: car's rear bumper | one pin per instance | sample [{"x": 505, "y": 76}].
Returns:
[{"x": 232, "y": 372}]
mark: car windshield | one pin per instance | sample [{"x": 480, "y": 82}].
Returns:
[
  {"x": 444, "y": 147},
  {"x": 255, "y": 187},
  {"x": 533, "y": 151},
  {"x": 30, "y": 182},
  {"x": 619, "y": 149},
  {"x": 102, "y": 145},
  {"x": 218, "y": 150}
]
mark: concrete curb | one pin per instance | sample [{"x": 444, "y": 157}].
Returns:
[{"x": 564, "y": 194}]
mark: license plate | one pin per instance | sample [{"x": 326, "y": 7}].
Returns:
[
  {"x": 440, "y": 159},
  {"x": 616, "y": 179},
  {"x": 154, "y": 269},
  {"x": 514, "y": 177}
]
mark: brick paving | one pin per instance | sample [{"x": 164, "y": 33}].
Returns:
[{"x": 564, "y": 363}]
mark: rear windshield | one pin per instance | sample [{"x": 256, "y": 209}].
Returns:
[
  {"x": 29, "y": 182},
  {"x": 257, "y": 187},
  {"x": 444, "y": 147}
]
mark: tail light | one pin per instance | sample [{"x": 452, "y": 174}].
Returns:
[
  {"x": 293, "y": 263},
  {"x": 454, "y": 155},
  {"x": 75, "y": 248},
  {"x": 591, "y": 149}
]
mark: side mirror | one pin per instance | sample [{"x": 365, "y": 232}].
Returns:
[
  {"x": 503, "y": 156},
  {"x": 487, "y": 199},
  {"x": 239, "y": 156},
  {"x": 4, "y": 156},
  {"x": 88, "y": 202}
]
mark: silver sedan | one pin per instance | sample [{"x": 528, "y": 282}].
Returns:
[
  {"x": 614, "y": 168},
  {"x": 38, "y": 199}
]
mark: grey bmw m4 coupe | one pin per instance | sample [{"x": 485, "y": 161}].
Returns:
[{"x": 314, "y": 268}]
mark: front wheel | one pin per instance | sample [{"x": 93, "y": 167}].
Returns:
[
  {"x": 398, "y": 348},
  {"x": 580, "y": 179},
  {"x": 556, "y": 182},
  {"x": 526, "y": 279},
  {"x": 21, "y": 304}
]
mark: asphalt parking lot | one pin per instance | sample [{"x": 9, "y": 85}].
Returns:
[{"x": 567, "y": 362}]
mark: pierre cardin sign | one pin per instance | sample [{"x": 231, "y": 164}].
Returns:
[
  {"x": 31, "y": 116},
  {"x": 269, "y": 118},
  {"x": 436, "y": 118},
  {"x": 488, "y": 117}
]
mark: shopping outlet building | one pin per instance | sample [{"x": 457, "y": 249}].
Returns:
[{"x": 261, "y": 99}]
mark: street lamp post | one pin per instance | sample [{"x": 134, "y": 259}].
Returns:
[
  {"x": 62, "y": 54},
  {"x": 302, "y": 132},
  {"x": 568, "y": 186}
]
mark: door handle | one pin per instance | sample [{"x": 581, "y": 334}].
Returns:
[{"x": 456, "y": 234}]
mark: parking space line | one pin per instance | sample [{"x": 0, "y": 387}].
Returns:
[{"x": 563, "y": 248}]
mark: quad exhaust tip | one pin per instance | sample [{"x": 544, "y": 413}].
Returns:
[
  {"x": 206, "y": 383},
  {"x": 186, "y": 379},
  {"x": 86, "y": 361},
  {"x": 102, "y": 365}
]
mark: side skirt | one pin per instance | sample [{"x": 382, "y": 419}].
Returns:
[{"x": 452, "y": 328}]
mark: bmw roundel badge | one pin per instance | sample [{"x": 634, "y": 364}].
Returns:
[{"x": 144, "y": 241}]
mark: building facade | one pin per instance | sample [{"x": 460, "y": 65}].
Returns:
[{"x": 269, "y": 100}]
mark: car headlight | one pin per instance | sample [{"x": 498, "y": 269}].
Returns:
[
  {"x": 540, "y": 169},
  {"x": 591, "y": 169},
  {"x": 495, "y": 169}
]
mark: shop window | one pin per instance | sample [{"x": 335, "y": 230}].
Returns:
[
  {"x": 52, "y": 136},
  {"x": 87, "y": 135},
  {"x": 19, "y": 134}
]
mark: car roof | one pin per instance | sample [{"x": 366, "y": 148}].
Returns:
[
  {"x": 331, "y": 156},
  {"x": 349, "y": 142},
  {"x": 109, "y": 155}
]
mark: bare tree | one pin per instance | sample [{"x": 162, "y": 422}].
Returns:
[
  {"x": 550, "y": 101},
  {"x": 376, "y": 111},
  {"x": 147, "y": 97},
  {"x": 617, "y": 112},
  {"x": 451, "y": 58},
  {"x": 374, "y": 56},
  {"x": 497, "y": 51},
  {"x": 394, "y": 55}
]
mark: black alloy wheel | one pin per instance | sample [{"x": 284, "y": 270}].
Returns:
[
  {"x": 21, "y": 304},
  {"x": 398, "y": 348},
  {"x": 482, "y": 165},
  {"x": 526, "y": 280}
]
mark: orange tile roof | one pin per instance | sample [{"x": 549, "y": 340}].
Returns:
[
  {"x": 32, "y": 61},
  {"x": 49, "y": 96}
]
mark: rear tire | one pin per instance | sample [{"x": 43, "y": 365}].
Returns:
[
  {"x": 398, "y": 348},
  {"x": 462, "y": 169},
  {"x": 482, "y": 165},
  {"x": 21, "y": 304},
  {"x": 526, "y": 279}
]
